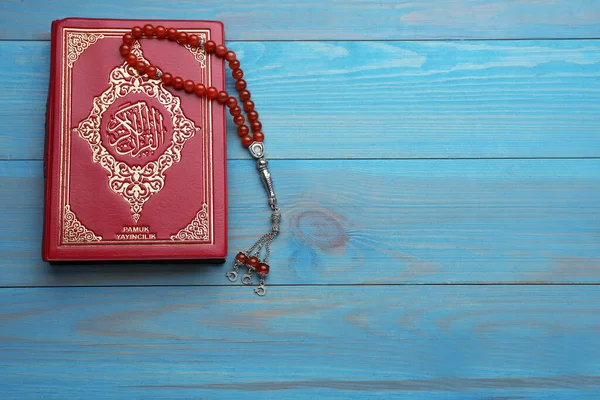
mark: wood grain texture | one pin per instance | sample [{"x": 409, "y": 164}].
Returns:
[
  {"x": 323, "y": 20},
  {"x": 441, "y": 198},
  {"x": 378, "y": 100},
  {"x": 348, "y": 222},
  {"x": 467, "y": 343}
]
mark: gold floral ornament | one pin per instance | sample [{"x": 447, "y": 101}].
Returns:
[
  {"x": 77, "y": 43},
  {"x": 198, "y": 52},
  {"x": 197, "y": 229},
  {"x": 136, "y": 183},
  {"x": 74, "y": 230}
]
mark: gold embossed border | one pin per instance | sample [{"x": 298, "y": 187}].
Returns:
[{"x": 65, "y": 138}]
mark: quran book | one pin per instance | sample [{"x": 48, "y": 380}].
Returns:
[{"x": 134, "y": 170}]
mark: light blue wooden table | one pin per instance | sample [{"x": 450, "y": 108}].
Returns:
[{"x": 438, "y": 164}]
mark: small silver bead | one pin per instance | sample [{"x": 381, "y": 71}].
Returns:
[
  {"x": 158, "y": 73},
  {"x": 262, "y": 163}
]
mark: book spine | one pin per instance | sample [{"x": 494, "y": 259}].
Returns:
[{"x": 48, "y": 141}]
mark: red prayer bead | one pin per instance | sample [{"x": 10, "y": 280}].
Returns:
[
  {"x": 140, "y": 67},
  {"x": 231, "y": 102},
  {"x": 151, "y": 71},
  {"x": 240, "y": 84},
  {"x": 210, "y": 46},
  {"x": 252, "y": 116},
  {"x": 161, "y": 32},
  {"x": 194, "y": 40},
  {"x": 235, "y": 64},
  {"x": 239, "y": 120},
  {"x": 182, "y": 37},
  {"x": 172, "y": 34},
  {"x": 244, "y": 95},
  {"x": 263, "y": 268},
  {"x": 137, "y": 32},
  {"x": 258, "y": 136},
  {"x": 248, "y": 105},
  {"x": 211, "y": 92},
  {"x": 256, "y": 126},
  {"x": 243, "y": 130},
  {"x": 177, "y": 82},
  {"x": 148, "y": 30},
  {"x": 200, "y": 90},
  {"x": 241, "y": 257},
  {"x": 235, "y": 111},
  {"x": 131, "y": 59},
  {"x": 253, "y": 262},
  {"x": 222, "y": 97},
  {"x": 247, "y": 141},
  {"x": 124, "y": 50},
  {"x": 128, "y": 38},
  {"x": 167, "y": 79},
  {"x": 189, "y": 86},
  {"x": 230, "y": 56},
  {"x": 220, "y": 50},
  {"x": 237, "y": 74}
]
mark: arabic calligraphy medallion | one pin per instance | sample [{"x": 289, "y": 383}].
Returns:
[{"x": 136, "y": 129}]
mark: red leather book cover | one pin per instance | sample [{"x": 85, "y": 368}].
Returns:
[{"x": 134, "y": 170}]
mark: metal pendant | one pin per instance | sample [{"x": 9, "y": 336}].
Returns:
[
  {"x": 261, "y": 289},
  {"x": 265, "y": 177},
  {"x": 247, "y": 277},
  {"x": 233, "y": 274}
]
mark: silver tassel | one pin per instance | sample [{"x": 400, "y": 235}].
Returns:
[{"x": 257, "y": 151}]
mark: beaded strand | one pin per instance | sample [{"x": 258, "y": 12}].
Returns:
[{"x": 189, "y": 86}]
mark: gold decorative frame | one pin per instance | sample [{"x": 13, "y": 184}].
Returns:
[
  {"x": 74, "y": 230},
  {"x": 76, "y": 49},
  {"x": 136, "y": 183}
]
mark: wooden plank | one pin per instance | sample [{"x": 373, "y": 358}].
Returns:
[
  {"x": 449, "y": 342},
  {"x": 378, "y": 100},
  {"x": 419, "y": 221},
  {"x": 323, "y": 20}
]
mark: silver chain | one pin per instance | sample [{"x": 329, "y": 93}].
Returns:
[
  {"x": 266, "y": 239},
  {"x": 259, "y": 242}
]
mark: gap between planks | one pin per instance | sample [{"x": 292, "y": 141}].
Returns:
[{"x": 301, "y": 285}]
